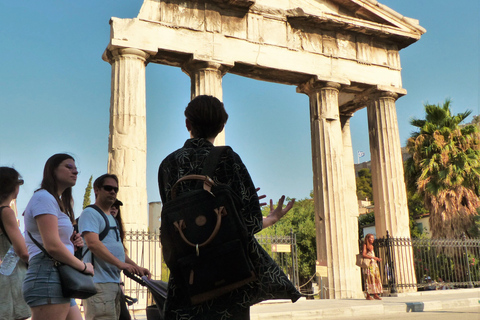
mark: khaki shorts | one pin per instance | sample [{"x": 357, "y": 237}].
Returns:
[{"x": 105, "y": 305}]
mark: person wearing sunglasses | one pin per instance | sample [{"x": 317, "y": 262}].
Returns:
[{"x": 105, "y": 250}]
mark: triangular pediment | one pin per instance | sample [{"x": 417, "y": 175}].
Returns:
[{"x": 358, "y": 10}]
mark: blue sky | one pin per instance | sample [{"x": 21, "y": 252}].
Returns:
[{"x": 55, "y": 94}]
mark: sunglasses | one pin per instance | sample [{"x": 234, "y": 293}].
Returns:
[
  {"x": 110, "y": 188},
  {"x": 20, "y": 182}
]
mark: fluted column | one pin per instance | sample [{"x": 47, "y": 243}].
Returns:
[
  {"x": 206, "y": 79},
  {"x": 389, "y": 191},
  {"x": 334, "y": 249},
  {"x": 351, "y": 195},
  {"x": 127, "y": 141}
]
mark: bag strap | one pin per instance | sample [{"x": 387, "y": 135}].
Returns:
[
  {"x": 105, "y": 231},
  {"x": 212, "y": 159},
  {"x": 211, "y": 162},
  {"x": 1, "y": 224},
  {"x": 41, "y": 247}
]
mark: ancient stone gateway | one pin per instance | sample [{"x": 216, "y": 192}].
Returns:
[{"x": 344, "y": 54}]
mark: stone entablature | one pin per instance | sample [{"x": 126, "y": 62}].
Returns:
[{"x": 272, "y": 40}]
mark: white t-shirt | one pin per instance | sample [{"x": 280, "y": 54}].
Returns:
[{"x": 42, "y": 202}]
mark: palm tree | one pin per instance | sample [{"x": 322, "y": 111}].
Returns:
[{"x": 445, "y": 169}]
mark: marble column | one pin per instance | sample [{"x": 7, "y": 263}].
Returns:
[
  {"x": 351, "y": 195},
  {"x": 206, "y": 79},
  {"x": 335, "y": 248},
  {"x": 127, "y": 141},
  {"x": 389, "y": 191}
]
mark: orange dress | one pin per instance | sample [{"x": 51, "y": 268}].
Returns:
[{"x": 373, "y": 282}]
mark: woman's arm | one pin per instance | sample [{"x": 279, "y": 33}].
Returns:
[
  {"x": 11, "y": 227},
  {"x": 48, "y": 227},
  {"x": 365, "y": 251}
]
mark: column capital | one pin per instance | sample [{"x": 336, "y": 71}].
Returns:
[
  {"x": 314, "y": 85},
  {"x": 112, "y": 55},
  {"x": 379, "y": 94},
  {"x": 193, "y": 65}
]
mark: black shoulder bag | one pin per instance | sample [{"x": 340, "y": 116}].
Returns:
[{"x": 75, "y": 284}]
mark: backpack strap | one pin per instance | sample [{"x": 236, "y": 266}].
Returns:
[
  {"x": 105, "y": 231},
  {"x": 211, "y": 162},
  {"x": 1, "y": 224}
]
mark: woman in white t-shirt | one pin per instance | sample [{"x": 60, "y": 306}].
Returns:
[{"x": 48, "y": 218}]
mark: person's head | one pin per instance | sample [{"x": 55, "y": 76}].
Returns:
[
  {"x": 115, "y": 208},
  {"x": 105, "y": 188},
  {"x": 59, "y": 176},
  {"x": 369, "y": 238},
  {"x": 10, "y": 181},
  {"x": 205, "y": 117}
]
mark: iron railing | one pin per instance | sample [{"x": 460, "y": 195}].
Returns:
[
  {"x": 438, "y": 263},
  {"x": 144, "y": 249}
]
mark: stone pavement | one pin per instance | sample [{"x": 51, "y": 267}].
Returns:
[{"x": 331, "y": 309}]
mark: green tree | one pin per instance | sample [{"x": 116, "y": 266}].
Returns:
[
  {"x": 364, "y": 184},
  {"x": 416, "y": 210},
  {"x": 88, "y": 193},
  {"x": 300, "y": 219},
  {"x": 445, "y": 169}
]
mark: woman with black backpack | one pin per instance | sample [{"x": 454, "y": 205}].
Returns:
[{"x": 205, "y": 119}]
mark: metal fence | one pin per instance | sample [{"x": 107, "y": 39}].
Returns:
[
  {"x": 144, "y": 249},
  {"x": 438, "y": 263},
  {"x": 283, "y": 250}
]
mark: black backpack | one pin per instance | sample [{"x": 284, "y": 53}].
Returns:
[
  {"x": 204, "y": 239},
  {"x": 79, "y": 253}
]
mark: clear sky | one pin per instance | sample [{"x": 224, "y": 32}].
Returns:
[{"x": 55, "y": 94}]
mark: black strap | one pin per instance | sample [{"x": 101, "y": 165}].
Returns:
[
  {"x": 105, "y": 231},
  {"x": 211, "y": 162},
  {"x": 41, "y": 247},
  {"x": 1, "y": 224}
]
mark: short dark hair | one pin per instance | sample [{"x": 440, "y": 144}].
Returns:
[
  {"x": 100, "y": 180},
  {"x": 8, "y": 182},
  {"x": 207, "y": 116}
]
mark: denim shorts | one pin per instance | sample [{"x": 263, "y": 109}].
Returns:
[{"x": 42, "y": 283}]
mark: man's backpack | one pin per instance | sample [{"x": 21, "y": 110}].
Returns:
[
  {"x": 204, "y": 238},
  {"x": 81, "y": 253}
]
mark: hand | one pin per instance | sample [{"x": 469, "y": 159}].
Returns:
[
  {"x": 89, "y": 269},
  {"x": 261, "y": 197},
  {"x": 77, "y": 240},
  {"x": 144, "y": 272},
  {"x": 278, "y": 212},
  {"x": 130, "y": 268}
]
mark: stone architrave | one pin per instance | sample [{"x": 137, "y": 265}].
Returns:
[
  {"x": 206, "y": 79},
  {"x": 336, "y": 245},
  {"x": 127, "y": 142},
  {"x": 389, "y": 191}
]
